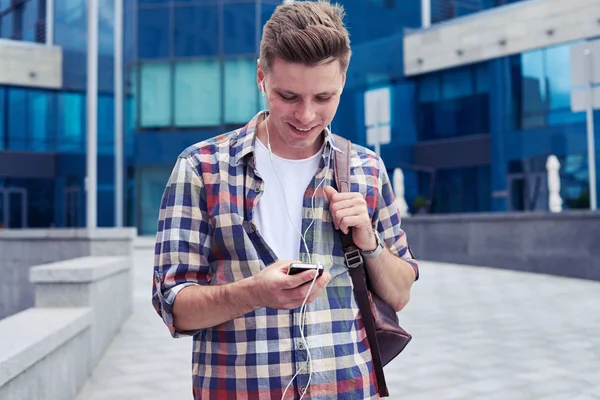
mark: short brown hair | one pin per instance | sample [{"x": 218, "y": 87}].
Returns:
[{"x": 306, "y": 32}]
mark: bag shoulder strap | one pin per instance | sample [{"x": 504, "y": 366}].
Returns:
[{"x": 354, "y": 262}]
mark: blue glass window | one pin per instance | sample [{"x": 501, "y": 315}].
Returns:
[
  {"x": 534, "y": 96},
  {"x": 6, "y": 26},
  {"x": 152, "y": 181},
  {"x": 130, "y": 114},
  {"x": 129, "y": 132},
  {"x": 128, "y": 36},
  {"x": 558, "y": 69},
  {"x": 482, "y": 78},
  {"x": 106, "y": 27},
  {"x": 266, "y": 10},
  {"x": 196, "y": 31},
  {"x": 241, "y": 91},
  {"x": 457, "y": 83},
  {"x": 30, "y": 10},
  {"x": 239, "y": 30},
  {"x": 454, "y": 103},
  {"x": 462, "y": 190},
  {"x": 155, "y": 95},
  {"x": 71, "y": 123},
  {"x": 70, "y": 25},
  {"x": 41, "y": 118},
  {"x": 197, "y": 93},
  {"x": 429, "y": 88},
  {"x": 2, "y": 117},
  {"x": 106, "y": 124},
  {"x": 153, "y": 27},
  {"x": 17, "y": 119}
]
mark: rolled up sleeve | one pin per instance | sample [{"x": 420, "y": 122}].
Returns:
[
  {"x": 388, "y": 222},
  {"x": 183, "y": 241}
]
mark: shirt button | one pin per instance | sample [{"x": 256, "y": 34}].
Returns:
[
  {"x": 300, "y": 346},
  {"x": 303, "y": 390},
  {"x": 257, "y": 188}
]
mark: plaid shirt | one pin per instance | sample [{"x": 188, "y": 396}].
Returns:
[{"x": 206, "y": 236}]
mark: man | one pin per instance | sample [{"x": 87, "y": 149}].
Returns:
[{"x": 239, "y": 208}]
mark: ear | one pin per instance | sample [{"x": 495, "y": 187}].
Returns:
[
  {"x": 260, "y": 76},
  {"x": 343, "y": 81}
]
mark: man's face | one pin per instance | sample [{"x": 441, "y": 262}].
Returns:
[{"x": 302, "y": 102}]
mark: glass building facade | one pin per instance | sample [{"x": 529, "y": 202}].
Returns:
[
  {"x": 41, "y": 124},
  {"x": 444, "y": 10},
  {"x": 518, "y": 106},
  {"x": 469, "y": 139}
]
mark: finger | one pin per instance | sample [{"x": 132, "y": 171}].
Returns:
[
  {"x": 340, "y": 209},
  {"x": 341, "y": 216},
  {"x": 294, "y": 281},
  {"x": 347, "y": 203},
  {"x": 347, "y": 195},
  {"x": 353, "y": 221},
  {"x": 329, "y": 192}
]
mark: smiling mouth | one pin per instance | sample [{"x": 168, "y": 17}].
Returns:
[{"x": 302, "y": 130}]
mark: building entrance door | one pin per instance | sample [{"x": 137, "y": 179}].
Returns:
[
  {"x": 73, "y": 206},
  {"x": 13, "y": 208}
]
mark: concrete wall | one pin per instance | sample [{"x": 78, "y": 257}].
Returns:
[
  {"x": 101, "y": 283},
  {"x": 30, "y": 64},
  {"x": 499, "y": 32},
  {"x": 50, "y": 350},
  {"x": 564, "y": 244},
  {"x": 20, "y": 249},
  {"x": 44, "y": 354}
]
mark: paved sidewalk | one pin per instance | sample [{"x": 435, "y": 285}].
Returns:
[{"x": 479, "y": 333}]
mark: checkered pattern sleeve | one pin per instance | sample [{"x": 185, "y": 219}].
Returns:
[
  {"x": 183, "y": 240},
  {"x": 388, "y": 220}
]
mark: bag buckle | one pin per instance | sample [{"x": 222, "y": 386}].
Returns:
[{"x": 353, "y": 258}]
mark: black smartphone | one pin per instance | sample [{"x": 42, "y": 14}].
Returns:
[{"x": 296, "y": 268}]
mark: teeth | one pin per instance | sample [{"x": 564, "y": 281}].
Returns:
[{"x": 303, "y": 130}]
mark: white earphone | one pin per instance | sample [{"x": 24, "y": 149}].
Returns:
[{"x": 303, "y": 308}]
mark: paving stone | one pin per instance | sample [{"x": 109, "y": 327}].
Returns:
[{"x": 479, "y": 333}]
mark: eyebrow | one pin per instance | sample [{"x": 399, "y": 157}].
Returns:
[{"x": 290, "y": 93}]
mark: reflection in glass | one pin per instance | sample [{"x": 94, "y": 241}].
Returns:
[
  {"x": 197, "y": 93},
  {"x": 152, "y": 182},
  {"x": 2, "y": 117},
  {"x": 71, "y": 120},
  {"x": 241, "y": 92},
  {"x": 239, "y": 35},
  {"x": 106, "y": 122},
  {"x": 155, "y": 93},
  {"x": 453, "y": 103},
  {"x": 196, "y": 31},
  {"x": 153, "y": 26},
  {"x": 17, "y": 119},
  {"x": 41, "y": 117}
]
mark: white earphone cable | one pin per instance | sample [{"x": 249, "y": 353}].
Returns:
[{"x": 303, "y": 308}]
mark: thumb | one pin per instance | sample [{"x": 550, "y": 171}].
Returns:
[{"x": 329, "y": 192}]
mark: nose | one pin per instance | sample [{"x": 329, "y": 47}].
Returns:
[{"x": 304, "y": 114}]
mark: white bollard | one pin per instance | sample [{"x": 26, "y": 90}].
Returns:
[
  {"x": 554, "y": 200},
  {"x": 399, "y": 193}
]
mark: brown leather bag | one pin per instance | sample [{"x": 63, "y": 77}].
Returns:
[{"x": 386, "y": 338}]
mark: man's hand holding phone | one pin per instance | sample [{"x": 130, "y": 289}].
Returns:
[{"x": 284, "y": 284}]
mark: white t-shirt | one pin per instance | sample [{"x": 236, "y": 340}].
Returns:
[{"x": 272, "y": 220}]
